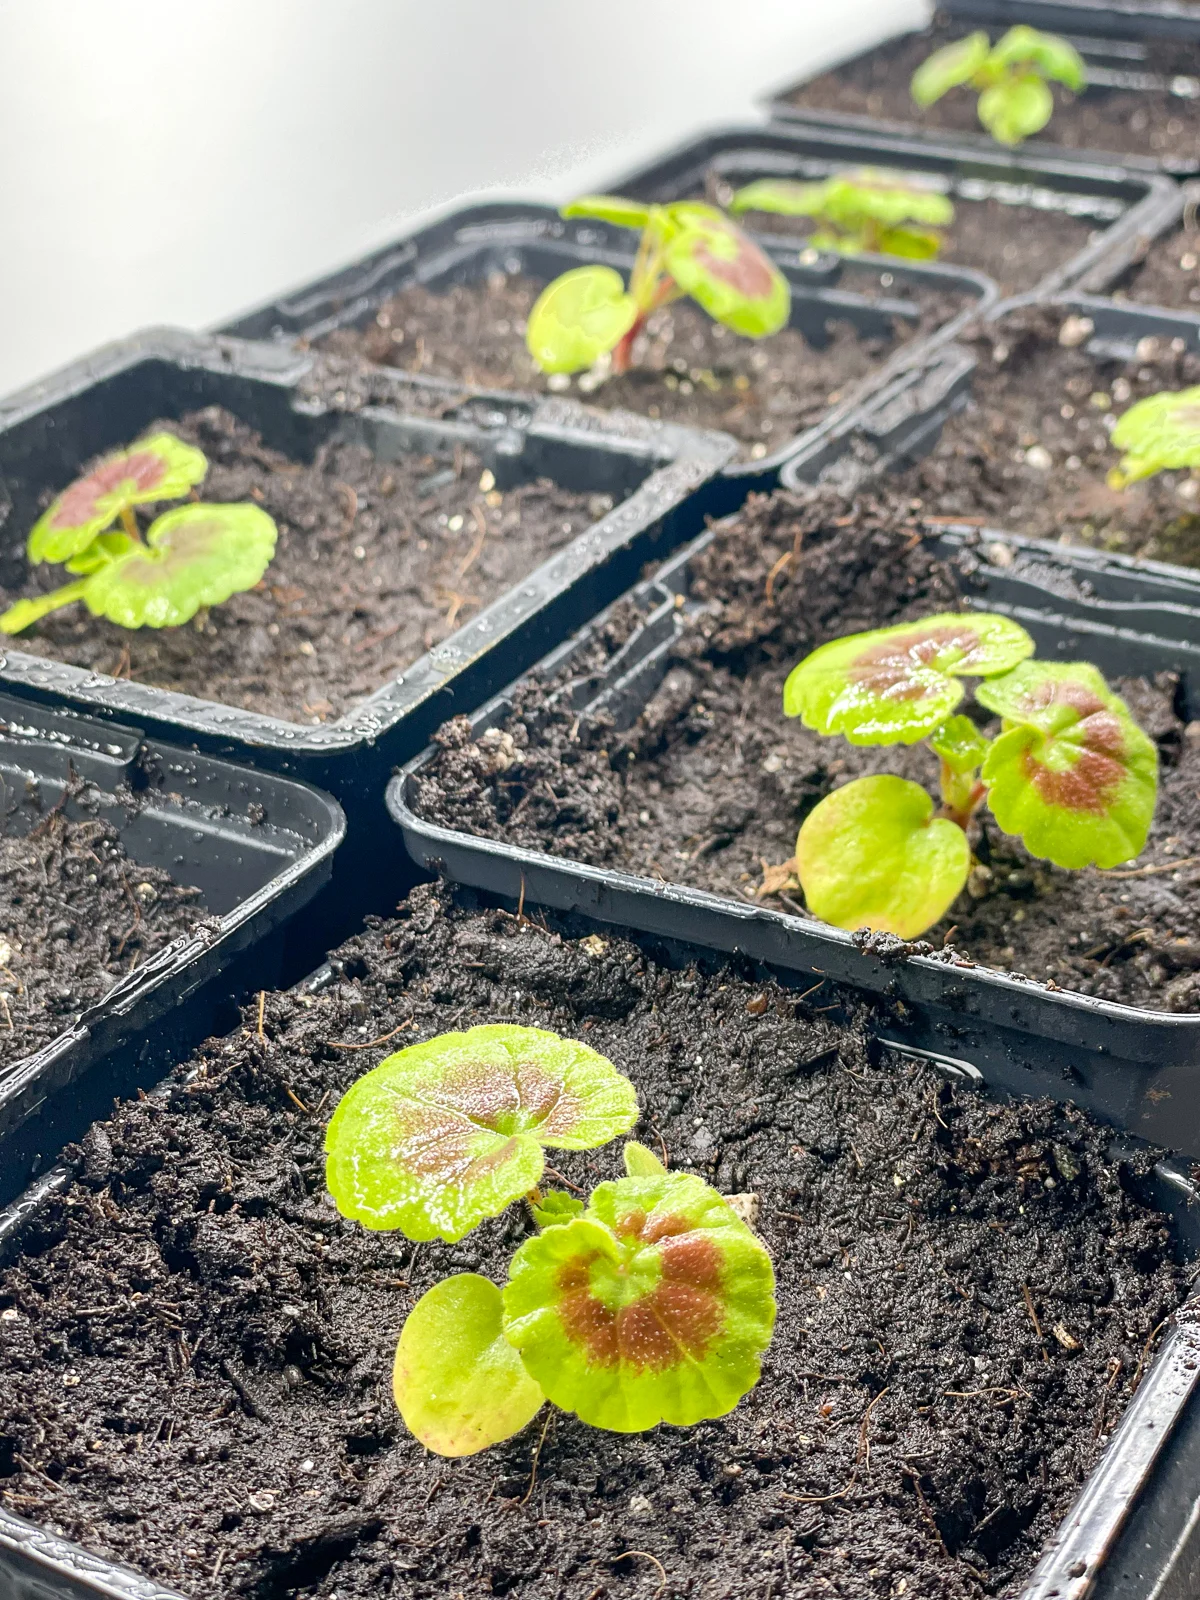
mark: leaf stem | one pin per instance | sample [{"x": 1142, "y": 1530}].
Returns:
[
  {"x": 962, "y": 795},
  {"x": 26, "y": 612},
  {"x": 129, "y": 523}
]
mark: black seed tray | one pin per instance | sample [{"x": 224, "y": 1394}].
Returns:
[
  {"x": 258, "y": 847},
  {"x": 470, "y": 244},
  {"x": 1130, "y": 207},
  {"x": 1120, "y": 19}
]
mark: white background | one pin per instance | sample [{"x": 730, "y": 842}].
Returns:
[{"x": 180, "y": 160}]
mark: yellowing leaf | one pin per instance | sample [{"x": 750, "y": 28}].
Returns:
[{"x": 578, "y": 318}]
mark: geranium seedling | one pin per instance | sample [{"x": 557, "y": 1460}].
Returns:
[
  {"x": 1156, "y": 434},
  {"x": 192, "y": 556},
  {"x": 1012, "y": 78},
  {"x": 1070, "y": 773},
  {"x": 858, "y": 212},
  {"x": 686, "y": 248},
  {"x": 446, "y": 1133}
]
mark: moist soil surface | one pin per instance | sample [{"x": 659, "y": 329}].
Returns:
[
  {"x": 76, "y": 915},
  {"x": 376, "y": 563},
  {"x": 687, "y": 368},
  {"x": 196, "y": 1352},
  {"x": 1154, "y": 123},
  {"x": 1031, "y": 451},
  {"x": 710, "y": 786},
  {"x": 1170, "y": 274}
]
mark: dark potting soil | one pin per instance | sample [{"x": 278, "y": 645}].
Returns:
[
  {"x": 76, "y": 915},
  {"x": 1170, "y": 274},
  {"x": 687, "y": 368},
  {"x": 1031, "y": 452},
  {"x": 376, "y": 563},
  {"x": 1139, "y": 122},
  {"x": 196, "y": 1352},
  {"x": 711, "y": 784}
]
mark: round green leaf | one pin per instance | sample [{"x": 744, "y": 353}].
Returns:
[
  {"x": 1052, "y": 56},
  {"x": 578, "y": 318},
  {"x": 724, "y": 271},
  {"x": 911, "y": 244},
  {"x": 446, "y": 1133},
  {"x": 610, "y": 208},
  {"x": 459, "y": 1385},
  {"x": 160, "y": 467},
  {"x": 1072, "y": 774},
  {"x": 783, "y": 196},
  {"x": 654, "y": 1306},
  {"x": 1014, "y": 108},
  {"x": 1158, "y": 433},
  {"x": 873, "y": 855},
  {"x": 197, "y": 555},
  {"x": 895, "y": 685},
  {"x": 946, "y": 68}
]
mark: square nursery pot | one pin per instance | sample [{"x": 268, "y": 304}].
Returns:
[
  {"x": 1060, "y": 218},
  {"x": 257, "y": 846},
  {"x": 470, "y": 246},
  {"x": 1129, "y": 1534},
  {"x": 1139, "y": 107},
  {"x": 1134, "y": 1067},
  {"x": 656, "y": 477}
]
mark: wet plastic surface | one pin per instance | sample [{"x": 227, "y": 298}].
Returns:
[{"x": 257, "y": 846}]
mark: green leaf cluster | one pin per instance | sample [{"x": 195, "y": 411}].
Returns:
[
  {"x": 686, "y": 248},
  {"x": 192, "y": 556},
  {"x": 1071, "y": 774},
  {"x": 1012, "y": 77},
  {"x": 1158, "y": 433},
  {"x": 650, "y": 1302},
  {"x": 865, "y": 211}
]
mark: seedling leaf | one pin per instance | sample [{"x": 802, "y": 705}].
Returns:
[
  {"x": 1052, "y": 56},
  {"x": 1072, "y": 774},
  {"x": 959, "y": 743},
  {"x": 160, "y": 467},
  {"x": 783, "y": 196},
  {"x": 895, "y": 685},
  {"x": 870, "y": 208},
  {"x": 1160, "y": 432},
  {"x": 446, "y": 1133},
  {"x": 459, "y": 1385},
  {"x": 641, "y": 1162},
  {"x": 197, "y": 555},
  {"x": 554, "y": 1207},
  {"x": 610, "y": 208},
  {"x": 711, "y": 259},
  {"x": 873, "y": 855},
  {"x": 578, "y": 318},
  {"x": 1014, "y": 108},
  {"x": 654, "y": 1306},
  {"x": 946, "y": 68}
]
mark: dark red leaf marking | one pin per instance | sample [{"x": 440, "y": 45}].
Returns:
[
  {"x": 435, "y": 1136},
  {"x": 886, "y": 668},
  {"x": 143, "y": 468},
  {"x": 682, "y": 1313},
  {"x": 749, "y": 272},
  {"x": 1090, "y": 783}
]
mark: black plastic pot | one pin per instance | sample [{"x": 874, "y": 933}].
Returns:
[
  {"x": 258, "y": 846},
  {"x": 1114, "y": 63},
  {"x": 1137, "y": 204},
  {"x": 1119, "y": 19},
  {"x": 654, "y": 472},
  {"x": 1136, "y": 1068},
  {"x": 468, "y": 245}
]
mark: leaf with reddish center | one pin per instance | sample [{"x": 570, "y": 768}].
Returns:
[
  {"x": 161, "y": 467},
  {"x": 711, "y": 259},
  {"x": 1157, "y": 434},
  {"x": 196, "y": 555},
  {"x": 896, "y": 685},
  {"x": 1071, "y": 774},
  {"x": 654, "y": 1306},
  {"x": 446, "y": 1133}
]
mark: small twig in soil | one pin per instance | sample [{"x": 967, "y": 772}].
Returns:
[
  {"x": 370, "y": 1045},
  {"x": 1114, "y": 1372},
  {"x": 7, "y": 1013},
  {"x": 350, "y": 500},
  {"x": 1137, "y": 1371},
  {"x": 537, "y": 1455},
  {"x": 295, "y": 1099},
  {"x": 555, "y": 1173},
  {"x": 1033, "y": 1317},
  {"x": 784, "y": 560},
  {"x": 473, "y": 554},
  {"x": 648, "y": 1557},
  {"x": 262, "y": 1008},
  {"x": 1150, "y": 872},
  {"x": 862, "y": 1458}
]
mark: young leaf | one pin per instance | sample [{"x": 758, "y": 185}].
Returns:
[
  {"x": 1072, "y": 774},
  {"x": 160, "y": 467},
  {"x": 912, "y": 244},
  {"x": 1014, "y": 108},
  {"x": 711, "y": 259},
  {"x": 458, "y": 1383},
  {"x": 869, "y": 206},
  {"x": 1053, "y": 57},
  {"x": 578, "y": 318},
  {"x": 783, "y": 196},
  {"x": 1158, "y": 433},
  {"x": 641, "y": 1162},
  {"x": 654, "y": 1306},
  {"x": 196, "y": 555},
  {"x": 959, "y": 743},
  {"x": 446, "y": 1133},
  {"x": 873, "y": 855},
  {"x": 895, "y": 685},
  {"x": 946, "y": 68},
  {"x": 554, "y": 1207},
  {"x": 610, "y": 208}
]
